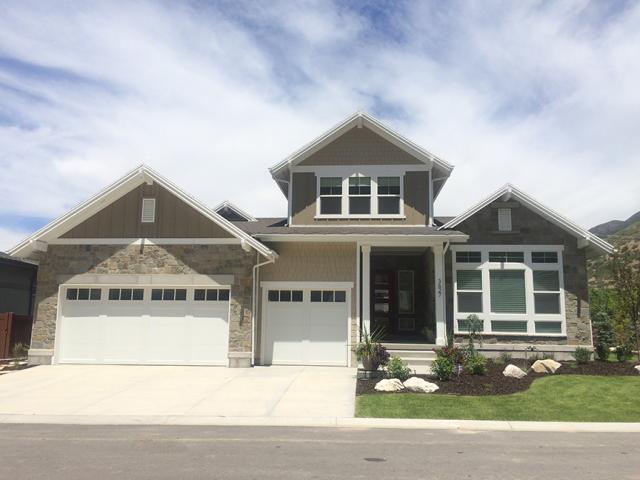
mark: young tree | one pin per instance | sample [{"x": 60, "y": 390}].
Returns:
[{"x": 626, "y": 282}]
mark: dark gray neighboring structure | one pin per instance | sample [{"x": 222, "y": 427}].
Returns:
[{"x": 17, "y": 285}]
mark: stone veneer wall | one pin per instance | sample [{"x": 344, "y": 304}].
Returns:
[
  {"x": 530, "y": 228},
  {"x": 63, "y": 260}
]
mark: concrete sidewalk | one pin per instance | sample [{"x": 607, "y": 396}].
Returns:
[{"x": 342, "y": 422}]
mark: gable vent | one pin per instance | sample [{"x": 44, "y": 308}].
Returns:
[
  {"x": 148, "y": 210},
  {"x": 504, "y": 219}
]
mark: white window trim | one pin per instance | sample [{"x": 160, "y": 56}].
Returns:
[
  {"x": 374, "y": 195},
  {"x": 528, "y": 266}
]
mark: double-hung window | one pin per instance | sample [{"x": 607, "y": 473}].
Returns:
[
  {"x": 388, "y": 195},
  {"x": 359, "y": 195},
  {"x": 513, "y": 289},
  {"x": 330, "y": 195}
]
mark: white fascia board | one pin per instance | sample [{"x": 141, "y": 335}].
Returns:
[
  {"x": 373, "y": 124},
  {"x": 374, "y": 239},
  {"x": 543, "y": 211},
  {"x": 146, "y": 241},
  {"x": 119, "y": 188},
  {"x": 236, "y": 209}
]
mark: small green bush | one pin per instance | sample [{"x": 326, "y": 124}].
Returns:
[
  {"x": 505, "y": 357},
  {"x": 398, "y": 368},
  {"x": 443, "y": 368},
  {"x": 476, "y": 364},
  {"x": 582, "y": 355},
  {"x": 603, "y": 332},
  {"x": 623, "y": 353}
]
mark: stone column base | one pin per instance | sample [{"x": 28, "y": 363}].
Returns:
[
  {"x": 239, "y": 359},
  {"x": 40, "y": 356}
]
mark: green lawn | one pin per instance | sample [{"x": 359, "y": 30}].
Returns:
[{"x": 578, "y": 398}]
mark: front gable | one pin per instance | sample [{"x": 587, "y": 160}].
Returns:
[
  {"x": 360, "y": 146},
  {"x": 123, "y": 218}
]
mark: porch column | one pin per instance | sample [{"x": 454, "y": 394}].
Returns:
[
  {"x": 366, "y": 288},
  {"x": 440, "y": 297}
]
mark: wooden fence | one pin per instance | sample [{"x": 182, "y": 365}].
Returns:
[{"x": 13, "y": 329}]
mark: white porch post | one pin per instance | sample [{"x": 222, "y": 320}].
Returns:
[
  {"x": 366, "y": 288},
  {"x": 439, "y": 284}
]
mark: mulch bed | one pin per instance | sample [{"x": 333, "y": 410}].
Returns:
[{"x": 495, "y": 383}]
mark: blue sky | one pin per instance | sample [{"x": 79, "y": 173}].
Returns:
[{"x": 541, "y": 94}]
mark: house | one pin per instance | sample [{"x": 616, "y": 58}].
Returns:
[{"x": 144, "y": 273}]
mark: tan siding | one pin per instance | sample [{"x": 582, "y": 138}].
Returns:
[
  {"x": 416, "y": 194},
  {"x": 360, "y": 146},
  {"x": 174, "y": 219},
  {"x": 309, "y": 262}
]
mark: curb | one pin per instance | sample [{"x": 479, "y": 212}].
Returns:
[{"x": 335, "y": 422}]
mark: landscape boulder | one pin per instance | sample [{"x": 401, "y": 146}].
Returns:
[
  {"x": 545, "y": 366},
  {"x": 389, "y": 385},
  {"x": 514, "y": 371},
  {"x": 416, "y": 384},
  {"x": 637, "y": 367}
]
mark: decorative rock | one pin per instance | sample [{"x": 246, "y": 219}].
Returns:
[
  {"x": 545, "y": 366},
  {"x": 637, "y": 367},
  {"x": 513, "y": 371},
  {"x": 416, "y": 384},
  {"x": 389, "y": 385}
]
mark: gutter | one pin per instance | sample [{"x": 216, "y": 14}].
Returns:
[{"x": 254, "y": 304}]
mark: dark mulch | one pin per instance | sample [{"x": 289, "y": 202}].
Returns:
[{"x": 495, "y": 383}]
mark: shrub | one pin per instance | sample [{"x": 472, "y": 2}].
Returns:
[
  {"x": 370, "y": 351},
  {"x": 582, "y": 355},
  {"x": 398, "y": 368},
  {"x": 476, "y": 364},
  {"x": 505, "y": 357},
  {"x": 603, "y": 333},
  {"x": 623, "y": 352},
  {"x": 474, "y": 331},
  {"x": 443, "y": 368},
  {"x": 453, "y": 353}
]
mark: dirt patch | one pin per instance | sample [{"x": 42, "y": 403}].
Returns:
[{"x": 495, "y": 383}]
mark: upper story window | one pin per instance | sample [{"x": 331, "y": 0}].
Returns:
[
  {"x": 359, "y": 195},
  {"x": 388, "y": 195},
  {"x": 331, "y": 196}
]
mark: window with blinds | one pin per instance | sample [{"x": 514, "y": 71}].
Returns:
[
  {"x": 469, "y": 288},
  {"x": 546, "y": 291},
  {"x": 507, "y": 291}
]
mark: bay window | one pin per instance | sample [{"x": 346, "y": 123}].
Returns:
[{"x": 513, "y": 289}]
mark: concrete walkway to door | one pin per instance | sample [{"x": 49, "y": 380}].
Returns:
[{"x": 104, "y": 391}]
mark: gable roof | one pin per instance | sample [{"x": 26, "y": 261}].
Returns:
[
  {"x": 227, "y": 205},
  {"x": 509, "y": 191},
  {"x": 280, "y": 171},
  {"x": 128, "y": 182}
]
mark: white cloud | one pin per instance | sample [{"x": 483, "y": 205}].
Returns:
[{"x": 544, "y": 96}]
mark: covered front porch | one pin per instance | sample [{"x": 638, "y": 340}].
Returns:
[{"x": 402, "y": 294}]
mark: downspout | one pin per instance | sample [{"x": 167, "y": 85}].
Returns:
[{"x": 254, "y": 304}]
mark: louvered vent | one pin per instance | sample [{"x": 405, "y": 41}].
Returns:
[{"x": 148, "y": 210}]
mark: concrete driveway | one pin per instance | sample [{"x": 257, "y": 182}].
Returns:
[{"x": 97, "y": 391}]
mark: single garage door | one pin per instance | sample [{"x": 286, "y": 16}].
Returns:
[
  {"x": 305, "y": 326},
  {"x": 144, "y": 325}
]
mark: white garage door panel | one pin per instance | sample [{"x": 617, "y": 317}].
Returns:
[
  {"x": 178, "y": 332},
  {"x": 305, "y": 333}
]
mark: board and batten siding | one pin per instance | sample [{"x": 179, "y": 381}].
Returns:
[{"x": 173, "y": 219}]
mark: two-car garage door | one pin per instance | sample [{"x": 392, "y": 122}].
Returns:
[
  {"x": 305, "y": 325},
  {"x": 143, "y": 325}
]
